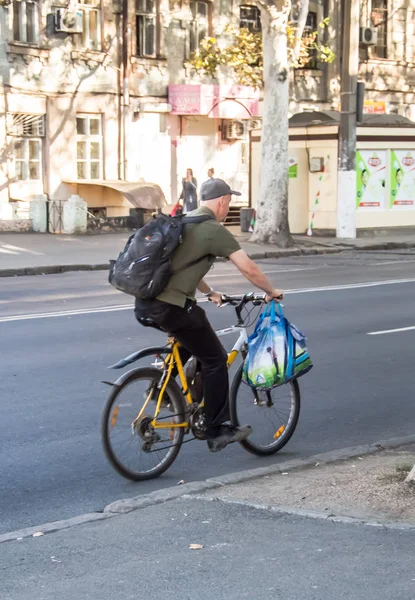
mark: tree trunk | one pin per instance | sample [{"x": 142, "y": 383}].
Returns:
[{"x": 272, "y": 205}]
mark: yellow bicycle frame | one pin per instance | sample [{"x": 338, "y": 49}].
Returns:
[{"x": 173, "y": 360}]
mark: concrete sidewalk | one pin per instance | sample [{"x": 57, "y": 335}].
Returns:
[
  {"x": 31, "y": 254},
  {"x": 228, "y": 542},
  {"x": 241, "y": 553}
]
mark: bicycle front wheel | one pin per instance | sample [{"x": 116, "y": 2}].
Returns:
[
  {"x": 273, "y": 415},
  {"x": 135, "y": 449}
]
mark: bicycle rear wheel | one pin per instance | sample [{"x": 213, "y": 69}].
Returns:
[
  {"x": 273, "y": 415},
  {"x": 134, "y": 448}
]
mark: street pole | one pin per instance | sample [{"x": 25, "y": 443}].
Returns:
[{"x": 346, "y": 191}]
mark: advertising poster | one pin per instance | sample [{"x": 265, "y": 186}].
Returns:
[
  {"x": 371, "y": 178},
  {"x": 402, "y": 178}
]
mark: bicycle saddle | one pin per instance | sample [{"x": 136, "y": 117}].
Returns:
[{"x": 146, "y": 322}]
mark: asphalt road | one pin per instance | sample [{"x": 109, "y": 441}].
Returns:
[{"x": 59, "y": 333}]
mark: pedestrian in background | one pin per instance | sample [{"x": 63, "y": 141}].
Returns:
[
  {"x": 189, "y": 192},
  {"x": 211, "y": 172}
]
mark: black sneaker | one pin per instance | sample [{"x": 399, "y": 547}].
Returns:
[{"x": 227, "y": 435}]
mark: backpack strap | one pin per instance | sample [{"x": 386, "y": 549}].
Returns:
[
  {"x": 198, "y": 219},
  {"x": 187, "y": 221}
]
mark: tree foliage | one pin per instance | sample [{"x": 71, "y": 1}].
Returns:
[{"x": 244, "y": 53}]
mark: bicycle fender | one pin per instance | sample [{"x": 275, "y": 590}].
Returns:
[
  {"x": 139, "y": 355},
  {"x": 124, "y": 377}
]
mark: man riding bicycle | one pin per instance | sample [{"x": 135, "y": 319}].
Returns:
[{"x": 175, "y": 310}]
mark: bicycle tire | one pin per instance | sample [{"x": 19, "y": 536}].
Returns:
[
  {"x": 178, "y": 402},
  {"x": 248, "y": 444}
]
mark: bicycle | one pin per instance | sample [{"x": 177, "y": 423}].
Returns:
[{"x": 178, "y": 409}]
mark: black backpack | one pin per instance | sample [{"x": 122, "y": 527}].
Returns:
[{"x": 143, "y": 269}]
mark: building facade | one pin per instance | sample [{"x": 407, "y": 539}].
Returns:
[{"x": 100, "y": 91}]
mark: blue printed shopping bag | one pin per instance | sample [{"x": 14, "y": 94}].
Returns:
[{"x": 277, "y": 351}]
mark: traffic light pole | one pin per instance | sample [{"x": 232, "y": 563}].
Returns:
[{"x": 346, "y": 191}]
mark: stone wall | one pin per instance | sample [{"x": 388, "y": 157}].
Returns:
[
  {"x": 115, "y": 224},
  {"x": 16, "y": 226}
]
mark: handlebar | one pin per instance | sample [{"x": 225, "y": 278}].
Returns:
[
  {"x": 239, "y": 301},
  {"x": 236, "y": 300}
]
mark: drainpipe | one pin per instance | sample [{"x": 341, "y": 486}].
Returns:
[
  {"x": 120, "y": 97},
  {"x": 126, "y": 91}
]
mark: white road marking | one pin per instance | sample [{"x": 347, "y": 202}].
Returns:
[
  {"x": 411, "y": 328},
  {"x": 66, "y": 313},
  {"x": 4, "y": 251},
  {"x": 350, "y": 286},
  {"x": 390, "y": 262},
  {"x": 104, "y": 309},
  {"x": 17, "y": 249},
  {"x": 273, "y": 272}
]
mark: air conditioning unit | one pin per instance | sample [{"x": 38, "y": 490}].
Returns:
[
  {"x": 368, "y": 36},
  {"x": 235, "y": 130},
  {"x": 68, "y": 21}
]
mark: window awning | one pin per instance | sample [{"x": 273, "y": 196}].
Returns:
[{"x": 139, "y": 193}]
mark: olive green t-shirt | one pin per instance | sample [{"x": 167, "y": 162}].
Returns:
[{"x": 200, "y": 239}]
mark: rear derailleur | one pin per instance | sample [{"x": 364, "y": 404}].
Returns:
[{"x": 146, "y": 432}]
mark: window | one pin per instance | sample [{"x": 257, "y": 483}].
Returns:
[
  {"x": 146, "y": 27},
  {"x": 199, "y": 28},
  {"x": 250, "y": 18},
  {"x": 27, "y": 158},
  {"x": 309, "y": 29},
  {"x": 26, "y": 21},
  {"x": 90, "y": 38},
  {"x": 379, "y": 17},
  {"x": 89, "y": 146}
]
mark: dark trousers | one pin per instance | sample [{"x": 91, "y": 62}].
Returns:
[{"x": 192, "y": 329}]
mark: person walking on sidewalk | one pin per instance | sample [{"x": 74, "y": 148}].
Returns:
[
  {"x": 189, "y": 192},
  {"x": 175, "y": 310}
]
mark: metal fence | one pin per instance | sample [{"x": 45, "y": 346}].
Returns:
[{"x": 55, "y": 216}]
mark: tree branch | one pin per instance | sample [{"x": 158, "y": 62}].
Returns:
[{"x": 299, "y": 18}]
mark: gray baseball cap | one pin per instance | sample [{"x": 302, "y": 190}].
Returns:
[{"x": 215, "y": 188}]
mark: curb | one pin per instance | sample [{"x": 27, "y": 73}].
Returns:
[
  {"x": 161, "y": 496},
  {"x": 51, "y": 270},
  {"x": 308, "y": 514},
  {"x": 127, "y": 505},
  {"x": 55, "y": 269},
  {"x": 53, "y": 527}
]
